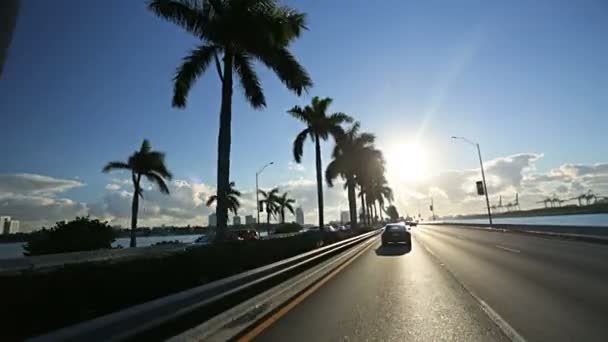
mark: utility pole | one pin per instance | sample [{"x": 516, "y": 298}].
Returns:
[{"x": 483, "y": 175}]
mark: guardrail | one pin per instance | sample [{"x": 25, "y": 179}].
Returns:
[{"x": 141, "y": 319}]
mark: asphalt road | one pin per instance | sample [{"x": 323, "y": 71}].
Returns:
[{"x": 537, "y": 288}]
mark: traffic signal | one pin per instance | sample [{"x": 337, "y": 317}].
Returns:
[{"x": 480, "y": 191}]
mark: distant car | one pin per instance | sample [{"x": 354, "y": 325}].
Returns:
[
  {"x": 396, "y": 233},
  {"x": 344, "y": 228},
  {"x": 330, "y": 228}
]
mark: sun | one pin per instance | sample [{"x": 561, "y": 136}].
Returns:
[{"x": 408, "y": 162}]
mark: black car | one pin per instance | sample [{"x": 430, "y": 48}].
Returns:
[{"x": 396, "y": 233}]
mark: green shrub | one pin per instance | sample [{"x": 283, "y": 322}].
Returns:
[{"x": 80, "y": 234}]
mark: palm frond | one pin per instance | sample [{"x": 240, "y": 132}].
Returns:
[
  {"x": 321, "y": 105},
  {"x": 192, "y": 67},
  {"x": 249, "y": 81},
  {"x": 160, "y": 182},
  {"x": 287, "y": 68},
  {"x": 191, "y": 15},
  {"x": 298, "y": 145},
  {"x": 340, "y": 118},
  {"x": 211, "y": 200},
  {"x": 116, "y": 165},
  {"x": 300, "y": 113}
]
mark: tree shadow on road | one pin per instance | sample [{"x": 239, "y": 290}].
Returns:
[{"x": 394, "y": 250}]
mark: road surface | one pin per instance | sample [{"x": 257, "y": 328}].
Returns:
[{"x": 459, "y": 284}]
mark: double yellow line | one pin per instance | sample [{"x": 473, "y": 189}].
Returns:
[{"x": 257, "y": 330}]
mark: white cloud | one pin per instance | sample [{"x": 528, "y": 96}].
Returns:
[
  {"x": 38, "y": 200},
  {"x": 34, "y": 199},
  {"x": 112, "y": 187},
  {"x": 293, "y": 166}
]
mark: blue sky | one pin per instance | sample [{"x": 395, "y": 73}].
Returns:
[{"x": 85, "y": 82}]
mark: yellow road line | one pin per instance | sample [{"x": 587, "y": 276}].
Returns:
[{"x": 284, "y": 310}]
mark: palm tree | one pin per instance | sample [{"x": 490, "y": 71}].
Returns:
[
  {"x": 319, "y": 126},
  {"x": 283, "y": 203},
  {"x": 346, "y": 155},
  {"x": 234, "y": 34},
  {"x": 382, "y": 192},
  {"x": 233, "y": 199},
  {"x": 370, "y": 169},
  {"x": 270, "y": 201},
  {"x": 147, "y": 163}
]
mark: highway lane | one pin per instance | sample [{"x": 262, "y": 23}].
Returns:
[
  {"x": 546, "y": 289},
  {"x": 387, "y": 294}
]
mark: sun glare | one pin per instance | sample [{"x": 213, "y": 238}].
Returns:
[{"x": 407, "y": 163}]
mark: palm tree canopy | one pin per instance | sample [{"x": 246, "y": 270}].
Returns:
[
  {"x": 271, "y": 199},
  {"x": 284, "y": 202},
  {"x": 145, "y": 162},
  {"x": 246, "y": 31},
  {"x": 350, "y": 153},
  {"x": 317, "y": 122},
  {"x": 233, "y": 198}
]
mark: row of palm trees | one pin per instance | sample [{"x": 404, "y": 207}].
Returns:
[
  {"x": 276, "y": 203},
  {"x": 234, "y": 34},
  {"x": 354, "y": 158}
]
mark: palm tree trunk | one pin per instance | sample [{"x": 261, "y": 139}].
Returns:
[
  {"x": 352, "y": 202},
  {"x": 267, "y": 216},
  {"x": 134, "y": 210},
  {"x": 283, "y": 216},
  {"x": 223, "y": 149},
  {"x": 319, "y": 180},
  {"x": 362, "y": 208}
]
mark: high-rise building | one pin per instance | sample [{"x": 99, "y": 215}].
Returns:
[
  {"x": 212, "y": 220},
  {"x": 236, "y": 220},
  {"x": 249, "y": 219},
  {"x": 299, "y": 216},
  {"x": 14, "y": 227},
  {"x": 5, "y": 224},
  {"x": 344, "y": 217}
]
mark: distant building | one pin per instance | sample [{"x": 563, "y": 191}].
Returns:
[
  {"x": 236, "y": 220},
  {"x": 5, "y": 224},
  {"x": 249, "y": 219},
  {"x": 14, "y": 227},
  {"x": 299, "y": 216},
  {"x": 344, "y": 217},
  {"x": 212, "y": 220}
]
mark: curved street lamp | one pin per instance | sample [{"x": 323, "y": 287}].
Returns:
[
  {"x": 483, "y": 175},
  {"x": 257, "y": 200}
]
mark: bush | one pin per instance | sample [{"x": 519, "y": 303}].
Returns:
[
  {"x": 75, "y": 293},
  {"x": 80, "y": 234}
]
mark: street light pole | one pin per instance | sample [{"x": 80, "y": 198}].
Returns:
[
  {"x": 483, "y": 174},
  {"x": 257, "y": 199}
]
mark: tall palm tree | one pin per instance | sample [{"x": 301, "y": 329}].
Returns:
[
  {"x": 270, "y": 201},
  {"x": 284, "y": 202},
  {"x": 233, "y": 199},
  {"x": 319, "y": 126},
  {"x": 369, "y": 169},
  {"x": 147, "y": 163},
  {"x": 234, "y": 34},
  {"x": 347, "y": 154},
  {"x": 381, "y": 192}
]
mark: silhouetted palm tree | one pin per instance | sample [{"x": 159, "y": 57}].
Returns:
[
  {"x": 370, "y": 170},
  {"x": 283, "y": 203},
  {"x": 347, "y": 155},
  {"x": 319, "y": 126},
  {"x": 242, "y": 32},
  {"x": 270, "y": 201},
  {"x": 382, "y": 192},
  {"x": 147, "y": 163},
  {"x": 233, "y": 199}
]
